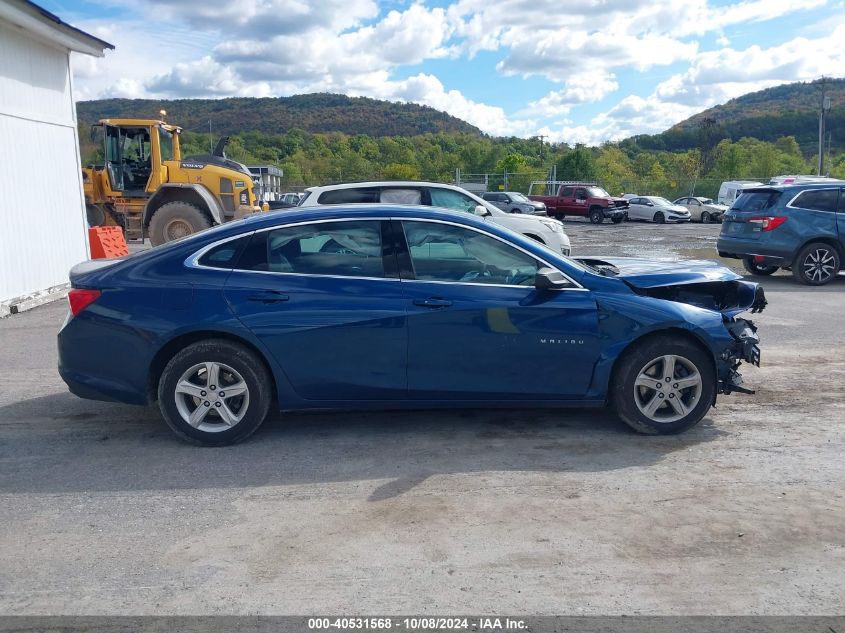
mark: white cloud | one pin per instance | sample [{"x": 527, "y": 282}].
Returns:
[{"x": 583, "y": 87}]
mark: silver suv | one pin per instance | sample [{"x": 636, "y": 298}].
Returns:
[{"x": 547, "y": 231}]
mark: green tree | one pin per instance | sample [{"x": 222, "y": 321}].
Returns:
[{"x": 399, "y": 171}]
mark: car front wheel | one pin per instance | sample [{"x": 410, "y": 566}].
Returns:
[
  {"x": 816, "y": 264},
  {"x": 705, "y": 218},
  {"x": 596, "y": 216},
  {"x": 214, "y": 393},
  {"x": 660, "y": 218},
  {"x": 664, "y": 386}
]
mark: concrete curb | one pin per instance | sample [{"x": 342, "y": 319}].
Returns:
[{"x": 33, "y": 300}]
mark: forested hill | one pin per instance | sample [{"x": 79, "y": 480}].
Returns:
[
  {"x": 315, "y": 113},
  {"x": 787, "y": 110}
]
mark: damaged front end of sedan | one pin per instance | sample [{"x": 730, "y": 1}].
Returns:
[{"x": 703, "y": 284}]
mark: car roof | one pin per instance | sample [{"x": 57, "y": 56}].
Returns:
[
  {"x": 385, "y": 183},
  {"x": 799, "y": 186}
]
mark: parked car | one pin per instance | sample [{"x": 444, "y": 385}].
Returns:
[
  {"x": 547, "y": 231},
  {"x": 798, "y": 227},
  {"x": 514, "y": 202},
  {"x": 656, "y": 209},
  {"x": 293, "y": 198},
  {"x": 584, "y": 200},
  {"x": 392, "y": 306},
  {"x": 702, "y": 209},
  {"x": 730, "y": 190}
]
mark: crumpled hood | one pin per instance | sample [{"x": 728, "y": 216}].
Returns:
[
  {"x": 702, "y": 283},
  {"x": 650, "y": 273}
]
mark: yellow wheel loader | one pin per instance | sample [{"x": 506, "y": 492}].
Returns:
[{"x": 149, "y": 189}]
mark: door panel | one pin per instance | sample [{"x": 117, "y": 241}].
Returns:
[
  {"x": 478, "y": 342},
  {"x": 477, "y": 327}
]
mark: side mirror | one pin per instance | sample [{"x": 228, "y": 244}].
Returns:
[
  {"x": 550, "y": 279},
  {"x": 481, "y": 210}
]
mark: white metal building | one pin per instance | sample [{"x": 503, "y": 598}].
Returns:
[{"x": 43, "y": 230}]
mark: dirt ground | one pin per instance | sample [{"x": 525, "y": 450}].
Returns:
[{"x": 104, "y": 511}]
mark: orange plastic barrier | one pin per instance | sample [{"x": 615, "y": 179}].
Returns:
[{"x": 107, "y": 241}]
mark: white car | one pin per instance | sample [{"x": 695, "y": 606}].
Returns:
[
  {"x": 703, "y": 209},
  {"x": 656, "y": 209},
  {"x": 547, "y": 231}
]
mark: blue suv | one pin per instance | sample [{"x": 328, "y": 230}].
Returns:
[{"x": 796, "y": 227}]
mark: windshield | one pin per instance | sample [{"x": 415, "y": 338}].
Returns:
[
  {"x": 706, "y": 200},
  {"x": 597, "y": 192},
  {"x": 755, "y": 201},
  {"x": 518, "y": 197}
]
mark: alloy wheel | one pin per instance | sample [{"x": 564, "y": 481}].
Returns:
[
  {"x": 212, "y": 397},
  {"x": 667, "y": 388},
  {"x": 819, "y": 265}
]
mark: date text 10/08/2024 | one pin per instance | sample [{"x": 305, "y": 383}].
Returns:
[{"x": 417, "y": 623}]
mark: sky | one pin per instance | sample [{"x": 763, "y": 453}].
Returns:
[{"x": 574, "y": 71}]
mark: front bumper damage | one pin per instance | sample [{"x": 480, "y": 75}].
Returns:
[{"x": 745, "y": 347}]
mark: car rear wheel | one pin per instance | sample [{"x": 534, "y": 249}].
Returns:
[
  {"x": 660, "y": 218},
  {"x": 816, "y": 264},
  {"x": 214, "y": 393},
  {"x": 663, "y": 386},
  {"x": 596, "y": 215},
  {"x": 757, "y": 269}
]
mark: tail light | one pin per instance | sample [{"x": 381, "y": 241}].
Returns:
[
  {"x": 768, "y": 222},
  {"x": 79, "y": 299}
]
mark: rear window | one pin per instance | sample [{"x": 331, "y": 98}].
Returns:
[
  {"x": 817, "y": 200},
  {"x": 348, "y": 196},
  {"x": 753, "y": 201},
  {"x": 223, "y": 255}
]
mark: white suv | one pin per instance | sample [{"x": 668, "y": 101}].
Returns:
[{"x": 547, "y": 231}]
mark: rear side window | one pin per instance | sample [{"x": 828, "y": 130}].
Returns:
[
  {"x": 817, "y": 200},
  {"x": 754, "y": 201},
  {"x": 348, "y": 196},
  {"x": 347, "y": 249},
  {"x": 401, "y": 196},
  {"x": 223, "y": 255},
  {"x": 841, "y": 201},
  {"x": 566, "y": 192}
]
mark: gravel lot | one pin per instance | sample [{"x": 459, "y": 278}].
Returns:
[{"x": 104, "y": 511}]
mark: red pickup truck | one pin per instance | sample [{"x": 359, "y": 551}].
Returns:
[{"x": 585, "y": 200}]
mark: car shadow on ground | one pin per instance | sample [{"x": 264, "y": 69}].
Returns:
[{"x": 58, "y": 443}]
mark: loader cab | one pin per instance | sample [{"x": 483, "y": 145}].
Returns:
[{"x": 134, "y": 157}]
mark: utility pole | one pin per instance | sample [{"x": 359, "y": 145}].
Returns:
[
  {"x": 824, "y": 101},
  {"x": 542, "y": 137}
]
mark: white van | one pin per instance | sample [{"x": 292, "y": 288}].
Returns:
[{"x": 730, "y": 190}]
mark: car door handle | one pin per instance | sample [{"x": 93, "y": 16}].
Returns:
[
  {"x": 268, "y": 296},
  {"x": 432, "y": 302}
]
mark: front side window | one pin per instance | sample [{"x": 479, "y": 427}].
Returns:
[
  {"x": 581, "y": 194},
  {"x": 817, "y": 200},
  {"x": 444, "y": 252},
  {"x": 166, "y": 144},
  {"x": 598, "y": 192},
  {"x": 348, "y": 249},
  {"x": 454, "y": 200}
]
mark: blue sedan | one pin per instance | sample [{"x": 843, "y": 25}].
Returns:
[{"x": 399, "y": 307}]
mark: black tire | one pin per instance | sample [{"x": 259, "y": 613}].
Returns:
[
  {"x": 816, "y": 264},
  {"x": 176, "y": 219},
  {"x": 659, "y": 217},
  {"x": 596, "y": 215},
  {"x": 236, "y": 363},
  {"x": 624, "y": 395},
  {"x": 757, "y": 269},
  {"x": 705, "y": 218},
  {"x": 95, "y": 215},
  {"x": 618, "y": 220}
]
